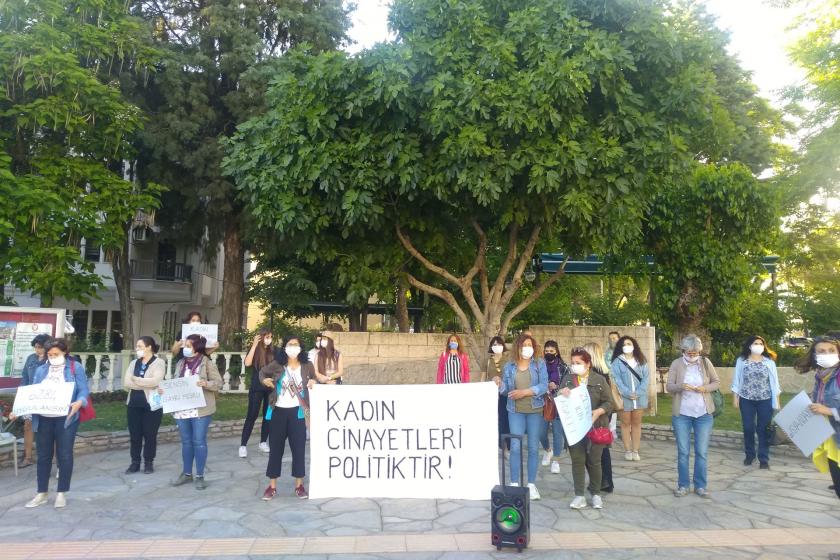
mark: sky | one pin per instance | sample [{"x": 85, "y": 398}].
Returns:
[{"x": 757, "y": 31}]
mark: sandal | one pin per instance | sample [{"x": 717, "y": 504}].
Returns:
[{"x": 25, "y": 463}]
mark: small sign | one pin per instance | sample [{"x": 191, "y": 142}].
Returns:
[
  {"x": 181, "y": 393},
  {"x": 804, "y": 428},
  {"x": 44, "y": 398},
  {"x": 210, "y": 332}
]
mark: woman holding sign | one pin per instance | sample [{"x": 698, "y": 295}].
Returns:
[
  {"x": 194, "y": 423},
  {"x": 630, "y": 371},
  {"x": 525, "y": 382},
  {"x": 56, "y": 433},
  {"x": 586, "y": 454},
  {"x": 142, "y": 377},
  {"x": 289, "y": 378},
  {"x": 823, "y": 359}
]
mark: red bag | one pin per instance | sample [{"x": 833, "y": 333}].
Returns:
[
  {"x": 600, "y": 436},
  {"x": 86, "y": 413}
]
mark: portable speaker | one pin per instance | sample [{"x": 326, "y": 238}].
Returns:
[{"x": 510, "y": 522}]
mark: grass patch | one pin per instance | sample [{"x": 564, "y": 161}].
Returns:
[
  {"x": 729, "y": 420},
  {"x": 111, "y": 416}
]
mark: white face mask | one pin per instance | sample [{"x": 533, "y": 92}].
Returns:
[
  {"x": 527, "y": 352},
  {"x": 267, "y": 341},
  {"x": 140, "y": 354},
  {"x": 59, "y": 360},
  {"x": 827, "y": 360},
  {"x": 292, "y": 351},
  {"x": 757, "y": 349},
  {"x": 578, "y": 369},
  {"x": 189, "y": 352},
  {"x": 691, "y": 359},
  {"x": 628, "y": 349},
  {"x": 324, "y": 343},
  {"x": 497, "y": 348}
]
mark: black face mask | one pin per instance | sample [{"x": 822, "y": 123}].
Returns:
[{"x": 550, "y": 358}]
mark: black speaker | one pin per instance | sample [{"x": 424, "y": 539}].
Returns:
[{"x": 510, "y": 521}]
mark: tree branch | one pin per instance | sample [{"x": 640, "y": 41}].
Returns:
[
  {"x": 482, "y": 271},
  {"x": 499, "y": 284},
  {"x": 533, "y": 296},
  {"x": 446, "y": 296},
  {"x": 524, "y": 259}
]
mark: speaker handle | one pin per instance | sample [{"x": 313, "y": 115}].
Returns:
[{"x": 521, "y": 439}]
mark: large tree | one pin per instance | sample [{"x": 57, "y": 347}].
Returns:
[
  {"x": 218, "y": 52},
  {"x": 64, "y": 129},
  {"x": 487, "y": 131}
]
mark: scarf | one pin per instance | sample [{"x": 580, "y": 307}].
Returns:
[
  {"x": 822, "y": 381},
  {"x": 192, "y": 363}
]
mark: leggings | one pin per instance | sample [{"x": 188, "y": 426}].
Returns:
[{"x": 257, "y": 400}]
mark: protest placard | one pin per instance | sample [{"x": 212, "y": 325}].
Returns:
[
  {"x": 43, "y": 398},
  {"x": 181, "y": 393},
  {"x": 804, "y": 428},
  {"x": 575, "y": 413},
  {"x": 210, "y": 332},
  {"x": 404, "y": 441}
]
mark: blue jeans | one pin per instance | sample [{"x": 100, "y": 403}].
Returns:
[
  {"x": 559, "y": 436},
  {"x": 530, "y": 424},
  {"x": 194, "y": 443},
  {"x": 51, "y": 437},
  {"x": 702, "y": 426},
  {"x": 750, "y": 412}
]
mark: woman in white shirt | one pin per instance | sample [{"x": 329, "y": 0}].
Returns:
[
  {"x": 691, "y": 380},
  {"x": 289, "y": 378}
]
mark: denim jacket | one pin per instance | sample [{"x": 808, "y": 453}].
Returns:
[
  {"x": 80, "y": 391},
  {"x": 738, "y": 379},
  {"x": 32, "y": 363},
  {"x": 831, "y": 399},
  {"x": 539, "y": 383}
]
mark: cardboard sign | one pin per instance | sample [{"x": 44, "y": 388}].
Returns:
[
  {"x": 44, "y": 398},
  {"x": 181, "y": 393},
  {"x": 804, "y": 428},
  {"x": 404, "y": 441},
  {"x": 210, "y": 332},
  {"x": 575, "y": 413}
]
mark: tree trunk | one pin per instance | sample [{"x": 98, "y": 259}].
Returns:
[
  {"x": 233, "y": 285},
  {"x": 402, "y": 306},
  {"x": 693, "y": 326},
  {"x": 354, "y": 318},
  {"x": 121, "y": 265}
]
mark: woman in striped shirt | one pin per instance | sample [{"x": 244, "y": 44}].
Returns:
[{"x": 454, "y": 364}]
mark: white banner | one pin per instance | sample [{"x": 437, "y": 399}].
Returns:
[
  {"x": 404, "y": 441},
  {"x": 210, "y": 332},
  {"x": 44, "y": 398},
  {"x": 575, "y": 413},
  {"x": 181, "y": 393},
  {"x": 804, "y": 428}
]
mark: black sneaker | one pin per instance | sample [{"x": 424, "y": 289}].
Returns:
[
  {"x": 148, "y": 467},
  {"x": 182, "y": 479},
  {"x": 132, "y": 468},
  {"x": 748, "y": 461},
  {"x": 199, "y": 483},
  {"x": 765, "y": 466}
]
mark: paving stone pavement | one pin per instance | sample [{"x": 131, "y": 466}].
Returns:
[{"x": 786, "y": 512}]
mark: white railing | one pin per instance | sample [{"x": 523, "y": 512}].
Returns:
[{"x": 105, "y": 369}]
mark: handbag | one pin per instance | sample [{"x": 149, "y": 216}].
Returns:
[
  {"x": 600, "y": 436},
  {"x": 617, "y": 399},
  {"x": 86, "y": 413},
  {"x": 549, "y": 408},
  {"x": 772, "y": 435},
  {"x": 717, "y": 398}
]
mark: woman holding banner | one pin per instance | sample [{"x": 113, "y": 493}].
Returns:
[
  {"x": 260, "y": 355},
  {"x": 586, "y": 454},
  {"x": 524, "y": 381},
  {"x": 823, "y": 358},
  {"x": 193, "y": 317},
  {"x": 289, "y": 379},
  {"x": 56, "y": 433},
  {"x": 143, "y": 376},
  {"x": 194, "y": 423}
]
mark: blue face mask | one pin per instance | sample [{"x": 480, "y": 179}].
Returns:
[
  {"x": 453, "y": 345},
  {"x": 188, "y": 353}
]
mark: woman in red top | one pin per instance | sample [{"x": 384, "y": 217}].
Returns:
[{"x": 454, "y": 364}]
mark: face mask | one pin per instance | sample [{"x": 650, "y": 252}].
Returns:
[
  {"x": 453, "y": 345},
  {"x": 497, "y": 348},
  {"x": 57, "y": 361},
  {"x": 578, "y": 369},
  {"x": 628, "y": 349},
  {"x": 324, "y": 343},
  {"x": 827, "y": 360},
  {"x": 189, "y": 352},
  {"x": 140, "y": 354},
  {"x": 527, "y": 352},
  {"x": 757, "y": 349},
  {"x": 267, "y": 341},
  {"x": 292, "y": 351},
  {"x": 550, "y": 358},
  {"x": 692, "y": 359}
]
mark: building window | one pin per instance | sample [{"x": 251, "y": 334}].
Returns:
[
  {"x": 92, "y": 252},
  {"x": 170, "y": 328}
]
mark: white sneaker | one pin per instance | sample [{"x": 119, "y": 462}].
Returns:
[
  {"x": 555, "y": 467},
  {"x": 535, "y": 494},
  {"x": 243, "y": 451},
  {"x": 546, "y": 458},
  {"x": 39, "y": 499},
  {"x": 578, "y": 503},
  {"x": 514, "y": 484},
  {"x": 597, "y": 503},
  {"x": 636, "y": 456},
  {"x": 60, "y": 500},
  {"x": 264, "y": 447},
  {"x": 628, "y": 455}
]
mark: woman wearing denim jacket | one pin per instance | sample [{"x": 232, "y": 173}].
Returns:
[
  {"x": 57, "y": 432},
  {"x": 755, "y": 392},
  {"x": 823, "y": 359},
  {"x": 524, "y": 381}
]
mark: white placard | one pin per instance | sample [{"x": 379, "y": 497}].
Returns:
[
  {"x": 181, "y": 393},
  {"x": 24, "y": 333},
  {"x": 210, "y": 332},
  {"x": 44, "y": 398},
  {"x": 404, "y": 441},
  {"x": 575, "y": 413},
  {"x": 804, "y": 428}
]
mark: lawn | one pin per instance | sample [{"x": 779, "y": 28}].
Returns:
[{"x": 729, "y": 420}]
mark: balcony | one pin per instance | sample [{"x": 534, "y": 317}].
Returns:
[{"x": 161, "y": 281}]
